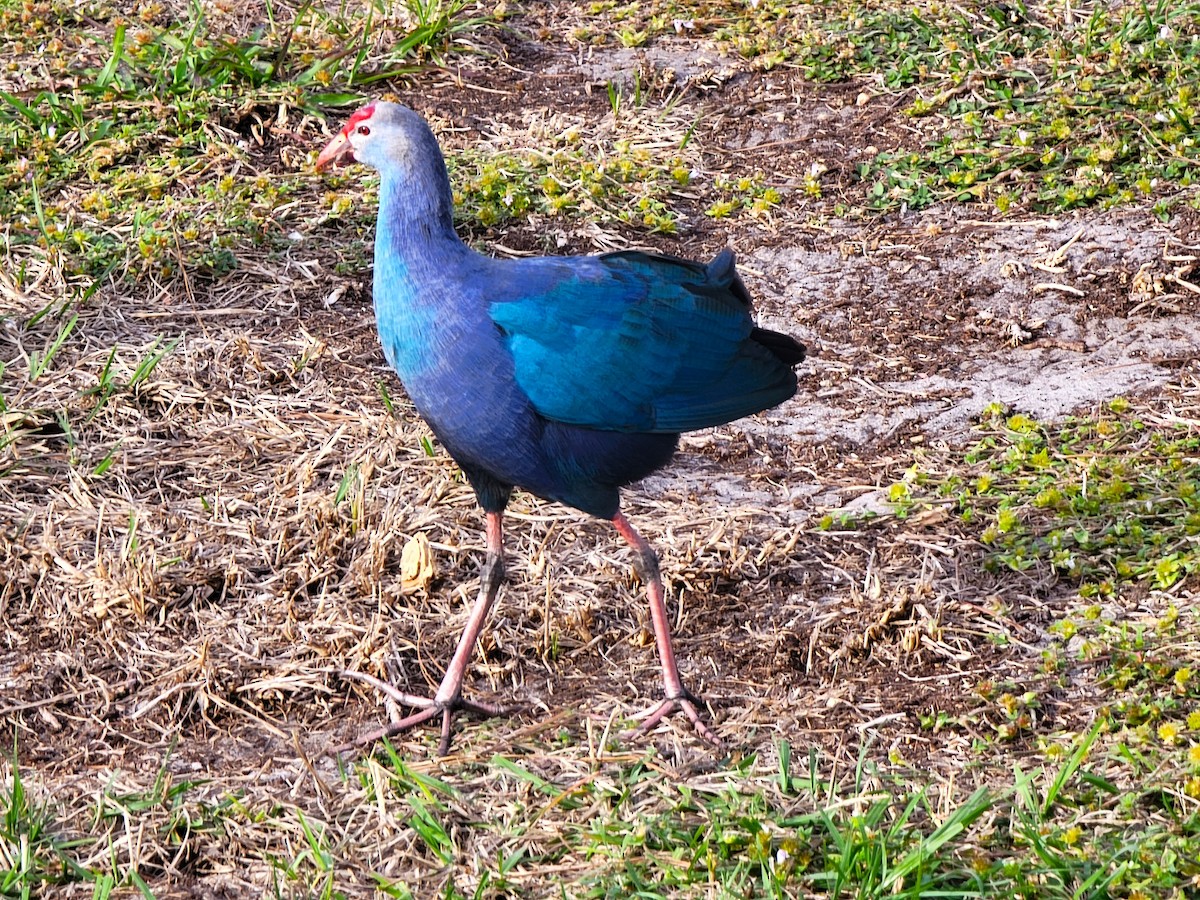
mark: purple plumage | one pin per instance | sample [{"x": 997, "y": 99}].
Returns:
[{"x": 569, "y": 377}]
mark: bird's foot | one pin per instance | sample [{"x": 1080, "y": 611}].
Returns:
[
  {"x": 428, "y": 708},
  {"x": 690, "y": 706}
]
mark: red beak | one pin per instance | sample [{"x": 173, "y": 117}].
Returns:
[{"x": 336, "y": 149}]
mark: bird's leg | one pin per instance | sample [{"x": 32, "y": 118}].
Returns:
[
  {"x": 448, "y": 699},
  {"x": 677, "y": 696}
]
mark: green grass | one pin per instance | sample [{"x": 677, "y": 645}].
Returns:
[
  {"x": 1108, "y": 506},
  {"x": 1067, "y": 828},
  {"x": 1110, "y": 812},
  {"x": 1017, "y": 107},
  {"x": 608, "y": 181},
  {"x": 878, "y": 836},
  {"x": 35, "y": 852},
  {"x": 150, "y": 167},
  {"x": 1046, "y": 117},
  {"x": 620, "y": 184},
  {"x": 128, "y": 171},
  {"x": 1104, "y": 501},
  {"x": 31, "y": 854}
]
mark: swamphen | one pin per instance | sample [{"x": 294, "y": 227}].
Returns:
[{"x": 569, "y": 377}]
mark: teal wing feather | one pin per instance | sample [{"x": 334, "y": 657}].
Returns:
[{"x": 636, "y": 342}]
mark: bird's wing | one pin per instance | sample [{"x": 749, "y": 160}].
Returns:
[{"x": 635, "y": 342}]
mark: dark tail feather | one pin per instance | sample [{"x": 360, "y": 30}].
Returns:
[
  {"x": 722, "y": 271},
  {"x": 787, "y": 350}
]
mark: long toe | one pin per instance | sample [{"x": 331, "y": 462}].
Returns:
[
  {"x": 427, "y": 710},
  {"x": 384, "y": 688},
  {"x": 688, "y": 705},
  {"x": 402, "y": 725}
]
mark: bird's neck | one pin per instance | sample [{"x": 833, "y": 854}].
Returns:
[{"x": 417, "y": 215}]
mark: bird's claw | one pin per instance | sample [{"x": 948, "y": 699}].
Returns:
[
  {"x": 689, "y": 705},
  {"x": 429, "y": 708}
]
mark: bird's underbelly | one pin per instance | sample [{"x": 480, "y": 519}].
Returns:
[
  {"x": 488, "y": 427},
  {"x": 581, "y": 467}
]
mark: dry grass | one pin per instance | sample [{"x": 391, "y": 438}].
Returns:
[
  {"x": 193, "y": 551},
  {"x": 177, "y": 621}
]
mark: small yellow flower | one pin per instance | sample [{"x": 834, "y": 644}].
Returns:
[
  {"x": 1168, "y": 732},
  {"x": 1182, "y": 677}
]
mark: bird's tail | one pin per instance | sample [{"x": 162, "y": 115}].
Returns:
[{"x": 785, "y": 348}]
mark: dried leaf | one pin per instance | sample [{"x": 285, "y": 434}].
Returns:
[{"x": 417, "y": 566}]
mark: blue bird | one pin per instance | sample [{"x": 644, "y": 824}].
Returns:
[{"x": 569, "y": 377}]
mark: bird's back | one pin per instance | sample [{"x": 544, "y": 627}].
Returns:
[{"x": 643, "y": 343}]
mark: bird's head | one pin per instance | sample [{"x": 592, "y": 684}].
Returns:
[
  {"x": 380, "y": 134},
  {"x": 414, "y": 187}
]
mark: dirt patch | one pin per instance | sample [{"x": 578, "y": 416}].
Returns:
[{"x": 927, "y": 323}]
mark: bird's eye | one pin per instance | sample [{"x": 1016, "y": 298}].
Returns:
[{"x": 364, "y": 130}]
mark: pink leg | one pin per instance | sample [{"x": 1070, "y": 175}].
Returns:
[
  {"x": 677, "y": 696},
  {"x": 448, "y": 699}
]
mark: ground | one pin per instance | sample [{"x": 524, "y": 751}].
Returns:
[{"x": 194, "y": 556}]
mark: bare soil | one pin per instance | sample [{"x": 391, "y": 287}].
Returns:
[{"x": 197, "y": 604}]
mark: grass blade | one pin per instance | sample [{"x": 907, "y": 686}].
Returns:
[
  {"x": 974, "y": 807},
  {"x": 1072, "y": 764},
  {"x": 110, "y": 68},
  {"x": 39, "y": 363}
]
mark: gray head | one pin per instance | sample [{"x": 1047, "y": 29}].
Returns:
[{"x": 396, "y": 141}]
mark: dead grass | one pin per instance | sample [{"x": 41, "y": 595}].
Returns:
[
  {"x": 179, "y": 620},
  {"x": 191, "y": 558}
]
